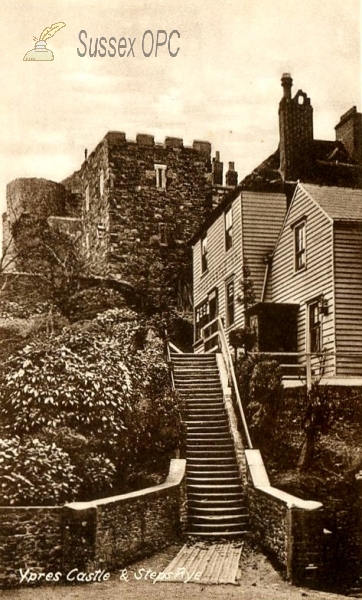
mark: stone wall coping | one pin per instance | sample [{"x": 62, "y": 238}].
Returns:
[
  {"x": 290, "y": 500},
  {"x": 261, "y": 482},
  {"x": 174, "y": 478}
]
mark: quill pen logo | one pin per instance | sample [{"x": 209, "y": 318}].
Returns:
[{"x": 40, "y": 50}]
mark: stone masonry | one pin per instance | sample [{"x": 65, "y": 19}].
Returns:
[{"x": 138, "y": 203}]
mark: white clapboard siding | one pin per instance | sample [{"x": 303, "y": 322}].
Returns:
[
  {"x": 348, "y": 294},
  {"x": 262, "y": 219},
  {"x": 222, "y": 264},
  {"x": 257, "y": 219},
  {"x": 286, "y": 285}
]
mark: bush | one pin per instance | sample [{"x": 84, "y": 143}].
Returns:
[
  {"x": 260, "y": 385},
  {"x": 87, "y": 304},
  {"x": 102, "y": 392},
  {"x": 34, "y": 472}
]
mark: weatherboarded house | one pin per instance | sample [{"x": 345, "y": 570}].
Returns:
[
  {"x": 242, "y": 231},
  {"x": 317, "y": 265}
]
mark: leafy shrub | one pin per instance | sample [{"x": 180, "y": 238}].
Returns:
[
  {"x": 100, "y": 390},
  {"x": 244, "y": 369},
  {"x": 260, "y": 385},
  {"x": 34, "y": 472},
  {"x": 87, "y": 304}
]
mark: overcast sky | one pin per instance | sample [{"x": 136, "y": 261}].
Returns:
[{"x": 223, "y": 86}]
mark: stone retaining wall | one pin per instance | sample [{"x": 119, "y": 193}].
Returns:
[
  {"x": 103, "y": 534},
  {"x": 30, "y": 538},
  {"x": 289, "y": 529}
]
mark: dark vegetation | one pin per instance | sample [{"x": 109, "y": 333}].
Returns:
[
  {"x": 312, "y": 447},
  {"x": 86, "y": 411}
]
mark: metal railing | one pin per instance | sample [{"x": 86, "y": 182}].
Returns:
[{"x": 222, "y": 344}]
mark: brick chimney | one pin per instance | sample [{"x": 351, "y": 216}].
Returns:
[
  {"x": 296, "y": 132},
  {"x": 217, "y": 169},
  {"x": 349, "y": 132},
  {"x": 231, "y": 177}
]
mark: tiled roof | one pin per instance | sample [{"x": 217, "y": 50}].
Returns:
[
  {"x": 330, "y": 164},
  {"x": 341, "y": 204}
]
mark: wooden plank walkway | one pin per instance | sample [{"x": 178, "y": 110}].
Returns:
[{"x": 205, "y": 563}]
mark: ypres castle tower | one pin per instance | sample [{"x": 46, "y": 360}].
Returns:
[{"x": 132, "y": 207}]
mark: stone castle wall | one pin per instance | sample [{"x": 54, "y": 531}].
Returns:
[{"x": 138, "y": 203}]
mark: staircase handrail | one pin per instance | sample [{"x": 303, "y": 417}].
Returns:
[
  {"x": 170, "y": 366},
  {"x": 230, "y": 367}
]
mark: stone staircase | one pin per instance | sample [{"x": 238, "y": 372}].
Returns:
[{"x": 215, "y": 495}]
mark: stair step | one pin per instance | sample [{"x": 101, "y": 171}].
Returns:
[
  {"x": 197, "y": 468},
  {"x": 192, "y": 474},
  {"x": 219, "y": 409},
  {"x": 218, "y": 519},
  {"x": 200, "y": 438},
  {"x": 205, "y": 426},
  {"x": 211, "y": 452},
  {"x": 216, "y": 504},
  {"x": 221, "y": 535},
  {"x": 209, "y": 481},
  {"x": 205, "y": 379},
  {"x": 216, "y": 527},
  {"x": 205, "y": 487},
  {"x": 216, "y": 418},
  {"x": 216, "y": 510}
]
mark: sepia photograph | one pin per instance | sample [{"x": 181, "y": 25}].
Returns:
[{"x": 181, "y": 300}]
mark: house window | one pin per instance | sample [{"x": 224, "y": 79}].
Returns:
[
  {"x": 162, "y": 233},
  {"x": 204, "y": 254},
  {"x": 101, "y": 230},
  {"x": 213, "y": 304},
  {"x": 101, "y": 183},
  {"x": 299, "y": 247},
  {"x": 160, "y": 176},
  {"x": 201, "y": 318},
  {"x": 229, "y": 303},
  {"x": 228, "y": 228},
  {"x": 87, "y": 198},
  {"x": 315, "y": 328}
]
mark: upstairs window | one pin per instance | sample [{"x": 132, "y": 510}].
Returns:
[
  {"x": 160, "y": 176},
  {"x": 299, "y": 247},
  {"x": 228, "y": 228},
  {"x": 204, "y": 254},
  {"x": 101, "y": 230},
  {"x": 229, "y": 303}
]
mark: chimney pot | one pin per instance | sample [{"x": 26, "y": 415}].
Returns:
[
  {"x": 287, "y": 83},
  {"x": 85, "y": 153},
  {"x": 217, "y": 169}
]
